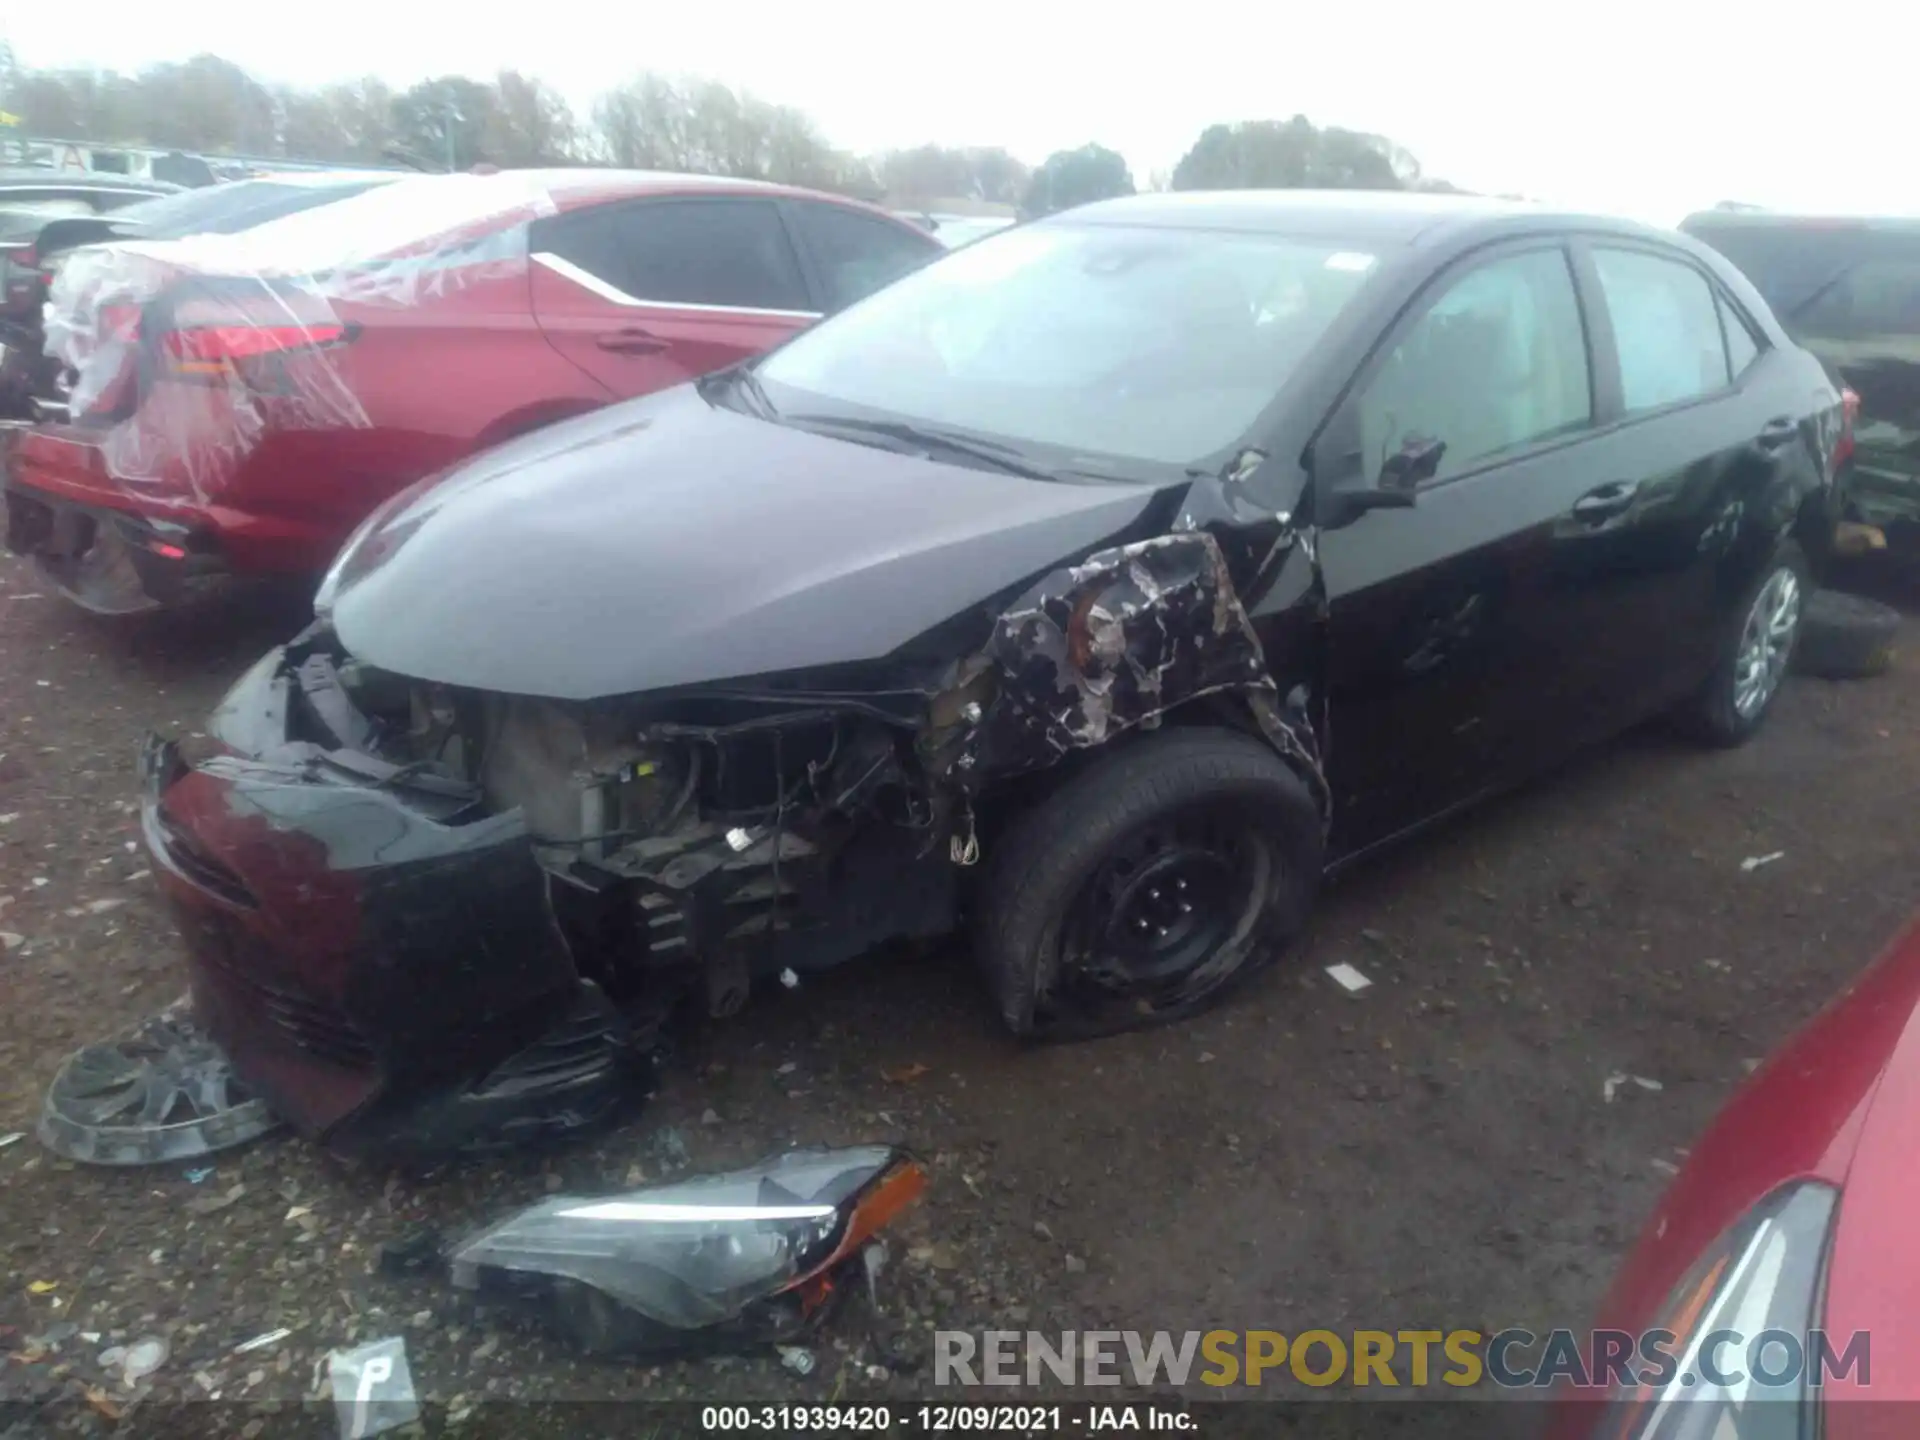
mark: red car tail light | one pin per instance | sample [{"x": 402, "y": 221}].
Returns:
[
  {"x": 1849, "y": 415},
  {"x": 213, "y": 349}
]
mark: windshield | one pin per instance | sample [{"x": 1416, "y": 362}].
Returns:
[{"x": 1138, "y": 344}]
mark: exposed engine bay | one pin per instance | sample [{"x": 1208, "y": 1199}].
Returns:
[{"x": 689, "y": 842}]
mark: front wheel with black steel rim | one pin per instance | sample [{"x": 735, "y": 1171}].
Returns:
[
  {"x": 1755, "y": 654},
  {"x": 1148, "y": 884}
]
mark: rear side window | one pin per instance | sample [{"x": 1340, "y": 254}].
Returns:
[
  {"x": 1879, "y": 297},
  {"x": 1742, "y": 348},
  {"x": 730, "y": 253},
  {"x": 589, "y": 239},
  {"x": 1666, "y": 327},
  {"x": 1497, "y": 363},
  {"x": 857, "y": 253}
]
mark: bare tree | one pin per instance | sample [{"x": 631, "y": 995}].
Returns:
[
  {"x": 643, "y": 124},
  {"x": 530, "y": 124},
  {"x": 205, "y": 103},
  {"x": 362, "y": 113},
  {"x": 654, "y": 122}
]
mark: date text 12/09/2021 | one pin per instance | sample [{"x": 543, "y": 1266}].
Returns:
[{"x": 945, "y": 1419}]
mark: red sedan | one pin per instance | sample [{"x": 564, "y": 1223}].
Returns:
[
  {"x": 241, "y": 402},
  {"x": 1791, "y": 1219}
]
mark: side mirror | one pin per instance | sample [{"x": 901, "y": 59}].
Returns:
[
  {"x": 1345, "y": 493},
  {"x": 1416, "y": 462}
]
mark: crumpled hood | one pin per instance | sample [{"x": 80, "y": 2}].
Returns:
[{"x": 665, "y": 542}]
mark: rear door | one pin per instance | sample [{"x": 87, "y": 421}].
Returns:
[
  {"x": 1709, "y": 432},
  {"x": 643, "y": 294},
  {"x": 1849, "y": 291}
]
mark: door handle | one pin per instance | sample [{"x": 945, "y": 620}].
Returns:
[
  {"x": 1603, "y": 502},
  {"x": 631, "y": 342},
  {"x": 1777, "y": 433}
]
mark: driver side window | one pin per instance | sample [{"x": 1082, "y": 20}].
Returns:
[{"x": 1497, "y": 362}]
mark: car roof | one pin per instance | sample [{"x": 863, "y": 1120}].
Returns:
[
  {"x": 89, "y": 180},
  {"x": 1380, "y": 217},
  {"x": 581, "y": 185},
  {"x": 315, "y": 179},
  {"x": 1745, "y": 219}
]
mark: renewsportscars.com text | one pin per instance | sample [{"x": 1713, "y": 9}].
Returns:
[{"x": 1508, "y": 1359}]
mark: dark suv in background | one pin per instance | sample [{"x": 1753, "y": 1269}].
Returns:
[{"x": 1849, "y": 291}]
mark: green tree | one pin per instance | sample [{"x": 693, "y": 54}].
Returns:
[
  {"x": 997, "y": 176},
  {"x": 1290, "y": 154},
  {"x": 362, "y": 115},
  {"x": 446, "y": 121},
  {"x": 47, "y": 105},
  {"x": 529, "y": 124},
  {"x": 205, "y": 103},
  {"x": 1076, "y": 177}
]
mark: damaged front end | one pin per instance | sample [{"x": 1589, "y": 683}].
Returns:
[
  {"x": 421, "y": 918},
  {"x": 429, "y": 917},
  {"x": 372, "y": 949},
  {"x": 1116, "y": 642}
]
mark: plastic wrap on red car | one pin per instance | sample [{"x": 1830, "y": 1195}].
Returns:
[{"x": 182, "y": 355}]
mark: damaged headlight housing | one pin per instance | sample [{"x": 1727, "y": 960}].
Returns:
[{"x": 699, "y": 1253}]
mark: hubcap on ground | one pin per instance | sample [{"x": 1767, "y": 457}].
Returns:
[
  {"x": 1766, "y": 643},
  {"x": 162, "y": 1091}
]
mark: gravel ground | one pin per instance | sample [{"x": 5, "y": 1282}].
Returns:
[{"x": 1435, "y": 1152}]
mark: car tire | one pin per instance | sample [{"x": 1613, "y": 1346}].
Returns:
[
  {"x": 1845, "y": 637},
  {"x": 1148, "y": 884},
  {"x": 1730, "y": 708}
]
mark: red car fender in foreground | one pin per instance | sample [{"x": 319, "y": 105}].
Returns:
[{"x": 1838, "y": 1105}]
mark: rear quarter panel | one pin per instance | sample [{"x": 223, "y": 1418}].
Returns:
[{"x": 433, "y": 381}]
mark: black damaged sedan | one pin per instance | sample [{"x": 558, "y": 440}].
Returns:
[{"x": 1099, "y": 587}]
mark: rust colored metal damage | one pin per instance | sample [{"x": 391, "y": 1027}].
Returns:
[{"x": 1115, "y": 642}]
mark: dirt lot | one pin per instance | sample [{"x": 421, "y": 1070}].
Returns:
[{"x": 1435, "y": 1152}]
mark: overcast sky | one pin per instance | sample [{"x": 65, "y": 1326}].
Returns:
[{"x": 1649, "y": 109}]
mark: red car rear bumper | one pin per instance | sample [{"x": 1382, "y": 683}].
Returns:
[{"x": 63, "y": 467}]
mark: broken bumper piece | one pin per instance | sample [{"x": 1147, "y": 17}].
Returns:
[
  {"x": 751, "y": 1257},
  {"x": 378, "y": 961}
]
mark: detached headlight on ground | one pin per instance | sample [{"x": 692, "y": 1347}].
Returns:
[
  {"x": 1761, "y": 1275},
  {"x": 701, "y": 1253}
]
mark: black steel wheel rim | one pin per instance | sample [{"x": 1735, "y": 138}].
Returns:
[{"x": 1164, "y": 900}]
